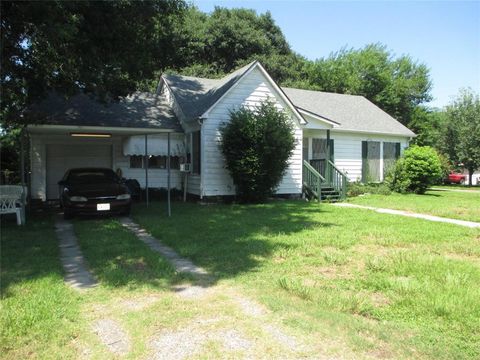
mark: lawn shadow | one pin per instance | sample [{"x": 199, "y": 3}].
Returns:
[
  {"x": 118, "y": 259},
  {"x": 229, "y": 240},
  {"x": 29, "y": 252},
  {"x": 226, "y": 240}
]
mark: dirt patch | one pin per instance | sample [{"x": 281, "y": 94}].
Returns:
[
  {"x": 189, "y": 340},
  {"x": 284, "y": 339},
  {"x": 112, "y": 336},
  {"x": 139, "y": 303},
  {"x": 249, "y": 307},
  {"x": 188, "y": 291}
]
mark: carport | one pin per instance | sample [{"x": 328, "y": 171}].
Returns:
[{"x": 81, "y": 132}]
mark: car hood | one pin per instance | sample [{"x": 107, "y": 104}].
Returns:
[{"x": 97, "y": 190}]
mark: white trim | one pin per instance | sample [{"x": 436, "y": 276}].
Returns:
[
  {"x": 202, "y": 161},
  {"x": 172, "y": 94},
  {"x": 372, "y": 132},
  {"x": 381, "y": 160},
  {"x": 292, "y": 107},
  {"x": 36, "y": 129},
  {"x": 318, "y": 117}
]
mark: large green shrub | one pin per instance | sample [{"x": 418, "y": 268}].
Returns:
[
  {"x": 256, "y": 145},
  {"x": 419, "y": 167}
]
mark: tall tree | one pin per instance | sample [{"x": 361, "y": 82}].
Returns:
[
  {"x": 103, "y": 47},
  {"x": 397, "y": 85},
  {"x": 462, "y": 133},
  {"x": 429, "y": 125},
  {"x": 212, "y": 45}
]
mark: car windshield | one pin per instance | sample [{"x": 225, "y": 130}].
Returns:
[{"x": 89, "y": 176}]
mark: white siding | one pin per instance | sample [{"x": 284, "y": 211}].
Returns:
[
  {"x": 348, "y": 149},
  {"x": 156, "y": 177},
  {"x": 250, "y": 91}
]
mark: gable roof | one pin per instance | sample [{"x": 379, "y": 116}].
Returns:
[
  {"x": 352, "y": 112},
  {"x": 196, "y": 95},
  {"x": 139, "y": 110}
]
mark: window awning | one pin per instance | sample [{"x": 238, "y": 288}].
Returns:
[{"x": 157, "y": 145}]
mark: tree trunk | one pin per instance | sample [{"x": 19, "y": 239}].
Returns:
[{"x": 470, "y": 176}]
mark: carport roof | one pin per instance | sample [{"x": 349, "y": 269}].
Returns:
[{"x": 140, "y": 110}]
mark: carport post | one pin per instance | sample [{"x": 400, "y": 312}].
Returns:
[
  {"x": 146, "y": 169},
  {"x": 169, "y": 209}
]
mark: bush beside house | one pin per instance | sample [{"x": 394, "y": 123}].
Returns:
[
  {"x": 256, "y": 145},
  {"x": 419, "y": 168}
]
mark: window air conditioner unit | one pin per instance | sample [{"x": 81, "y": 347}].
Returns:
[{"x": 186, "y": 167}]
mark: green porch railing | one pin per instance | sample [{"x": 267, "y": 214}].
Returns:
[
  {"x": 336, "y": 179},
  {"x": 312, "y": 180}
]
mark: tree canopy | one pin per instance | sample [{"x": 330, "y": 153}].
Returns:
[
  {"x": 113, "y": 48},
  {"x": 103, "y": 47},
  {"x": 396, "y": 84},
  {"x": 461, "y": 136}
]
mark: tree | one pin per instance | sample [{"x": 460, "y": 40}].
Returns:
[
  {"x": 397, "y": 85},
  {"x": 215, "y": 44},
  {"x": 106, "y": 48},
  {"x": 429, "y": 125},
  {"x": 256, "y": 145},
  {"x": 462, "y": 133}
]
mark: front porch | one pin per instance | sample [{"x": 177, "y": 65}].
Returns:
[{"x": 322, "y": 180}]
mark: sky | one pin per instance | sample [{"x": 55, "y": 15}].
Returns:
[{"x": 444, "y": 35}]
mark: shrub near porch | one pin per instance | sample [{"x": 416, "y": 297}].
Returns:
[{"x": 349, "y": 281}]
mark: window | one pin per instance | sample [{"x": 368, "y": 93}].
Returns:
[
  {"x": 391, "y": 152},
  {"x": 136, "y": 162},
  {"x": 370, "y": 161},
  {"x": 157, "y": 162},
  {"x": 196, "y": 152}
]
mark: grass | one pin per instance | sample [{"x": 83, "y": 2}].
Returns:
[
  {"x": 379, "y": 284},
  {"x": 457, "y": 187},
  {"x": 39, "y": 315},
  {"x": 346, "y": 282},
  {"x": 120, "y": 261},
  {"x": 450, "y": 204}
]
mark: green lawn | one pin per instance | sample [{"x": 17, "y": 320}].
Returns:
[
  {"x": 450, "y": 204},
  {"x": 347, "y": 282},
  {"x": 39, "y": 315},
  {"x": 372, "y": 283}
]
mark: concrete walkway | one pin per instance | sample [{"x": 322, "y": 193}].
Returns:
[
  {"x": 474, "y": 191},
  {"x": 76, "y": 273},
  {"x": 469, "y": 224},
  {"x": 180, "y": 264}
]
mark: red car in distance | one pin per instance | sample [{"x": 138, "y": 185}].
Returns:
[{"x": 455, "y": 178}]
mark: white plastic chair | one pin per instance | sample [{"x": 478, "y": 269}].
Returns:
[{"x": 12, "y": 201}]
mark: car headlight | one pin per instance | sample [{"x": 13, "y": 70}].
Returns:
[
  {"x": 123, "y": 197},
  {"x": 78, "y": 198}
]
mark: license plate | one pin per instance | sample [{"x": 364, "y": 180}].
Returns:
[{"x": 103, "y": 207}]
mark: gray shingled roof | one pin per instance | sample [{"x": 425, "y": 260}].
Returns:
[
  {"x": 196, "y": 95},
  {"x": 353, "y": 112},
  {"x": 139, "y": 110}
]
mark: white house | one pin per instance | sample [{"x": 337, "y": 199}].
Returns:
[{"x": 359, "y": 138}]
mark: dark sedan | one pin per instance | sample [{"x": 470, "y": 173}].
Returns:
[{"x": 91, "y": 191}]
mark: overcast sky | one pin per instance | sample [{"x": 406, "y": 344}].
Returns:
[{"x": 445, "y": 35}]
